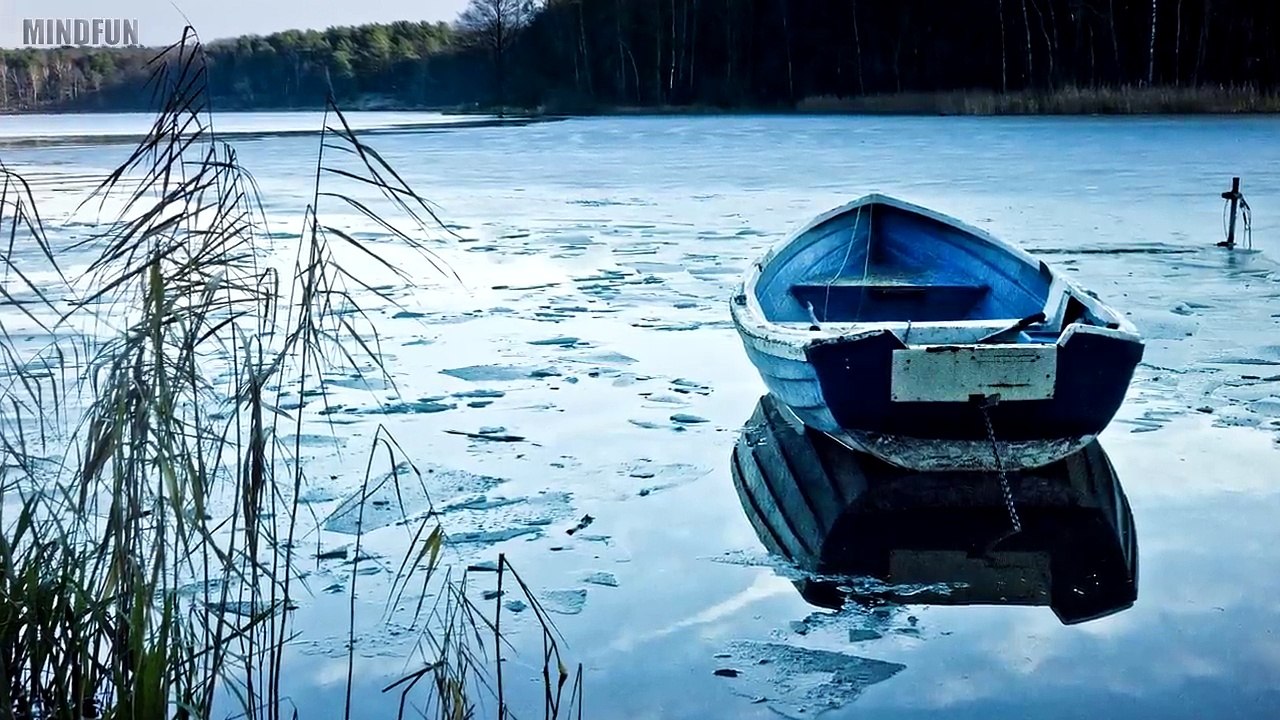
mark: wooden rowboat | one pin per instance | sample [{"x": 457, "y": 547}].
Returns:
[{"x": 930, "y": 344}]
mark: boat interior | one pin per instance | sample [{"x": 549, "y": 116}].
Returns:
[{"x": 879, "y": 263}]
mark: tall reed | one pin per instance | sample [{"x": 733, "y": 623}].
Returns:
[{"x": 151, "y": 482}]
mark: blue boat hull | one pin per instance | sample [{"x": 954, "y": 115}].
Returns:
[
  {"x": 1093, "y": 374},
  {"x": 930, "y": 344},
  {"x": 842, "y": 389}
]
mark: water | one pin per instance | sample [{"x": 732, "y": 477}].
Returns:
[{"x": 596, "y": 258}]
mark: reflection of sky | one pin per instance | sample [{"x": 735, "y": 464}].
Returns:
[
  {"x": 1201, "y": 632},
  {"x": 690, "y": 192}
]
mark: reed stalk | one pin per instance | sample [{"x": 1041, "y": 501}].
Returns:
[{"x": 149, "y": 492}]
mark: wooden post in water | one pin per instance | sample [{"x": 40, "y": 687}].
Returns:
[{"x": 1234, "y": 196}]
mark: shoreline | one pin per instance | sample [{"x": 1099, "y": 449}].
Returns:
[
  {"x": 128, "y": 138},
  {"x": 1064, "y": 102}
]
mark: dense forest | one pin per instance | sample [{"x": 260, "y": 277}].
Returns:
[
  {"x": 600, "y": 54},
  {"x": 288, "y": 69}
]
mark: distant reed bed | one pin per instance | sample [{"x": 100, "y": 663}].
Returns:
[{"x": 1125, "y": 100}]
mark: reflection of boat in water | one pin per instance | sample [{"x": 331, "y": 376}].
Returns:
[{"x": 936, "y": 537}]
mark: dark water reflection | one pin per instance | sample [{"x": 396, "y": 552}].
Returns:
[{"x": 869, "y": 533}]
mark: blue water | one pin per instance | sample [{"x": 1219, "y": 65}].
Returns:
[{"x": 605, "y": 249}]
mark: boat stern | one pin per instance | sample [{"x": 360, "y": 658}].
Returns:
[{"x": 959, "y": 406}]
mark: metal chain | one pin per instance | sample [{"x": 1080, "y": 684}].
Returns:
[{"x": 1004, "y": 478}]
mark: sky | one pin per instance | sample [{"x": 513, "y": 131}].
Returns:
[{"x": 160, "y": 22}]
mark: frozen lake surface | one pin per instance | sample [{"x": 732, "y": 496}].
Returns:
[{"x": 590, "y": 332}]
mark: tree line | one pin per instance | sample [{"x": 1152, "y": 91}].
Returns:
[
  {"x": 587, "y": 54},
  {"x": 400, "y": 63},
  {"x": 778, "y": 52}
]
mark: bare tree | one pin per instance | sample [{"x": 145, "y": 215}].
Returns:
[
  {"x": 786, "y": 36},
  {"x": 1004, "y": 54},
  {"x": 1026, "y": 25},
  {"x": 1151, "y": 52},
  {"x": 671, "y": 74},
  {"x": 494, "y": 25},
  {"x": 857, "y": 47},
  {"x": 36, "y": 74},
  {"x": 621, "y": 89},
  {"x": 1202, "y": 46},
  {"x": 1177, "y": 46},
  {"x": 1115, "y": 39},
  {"x": 582, "y": 46},
  {"x": 1050, "y": 46}
]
